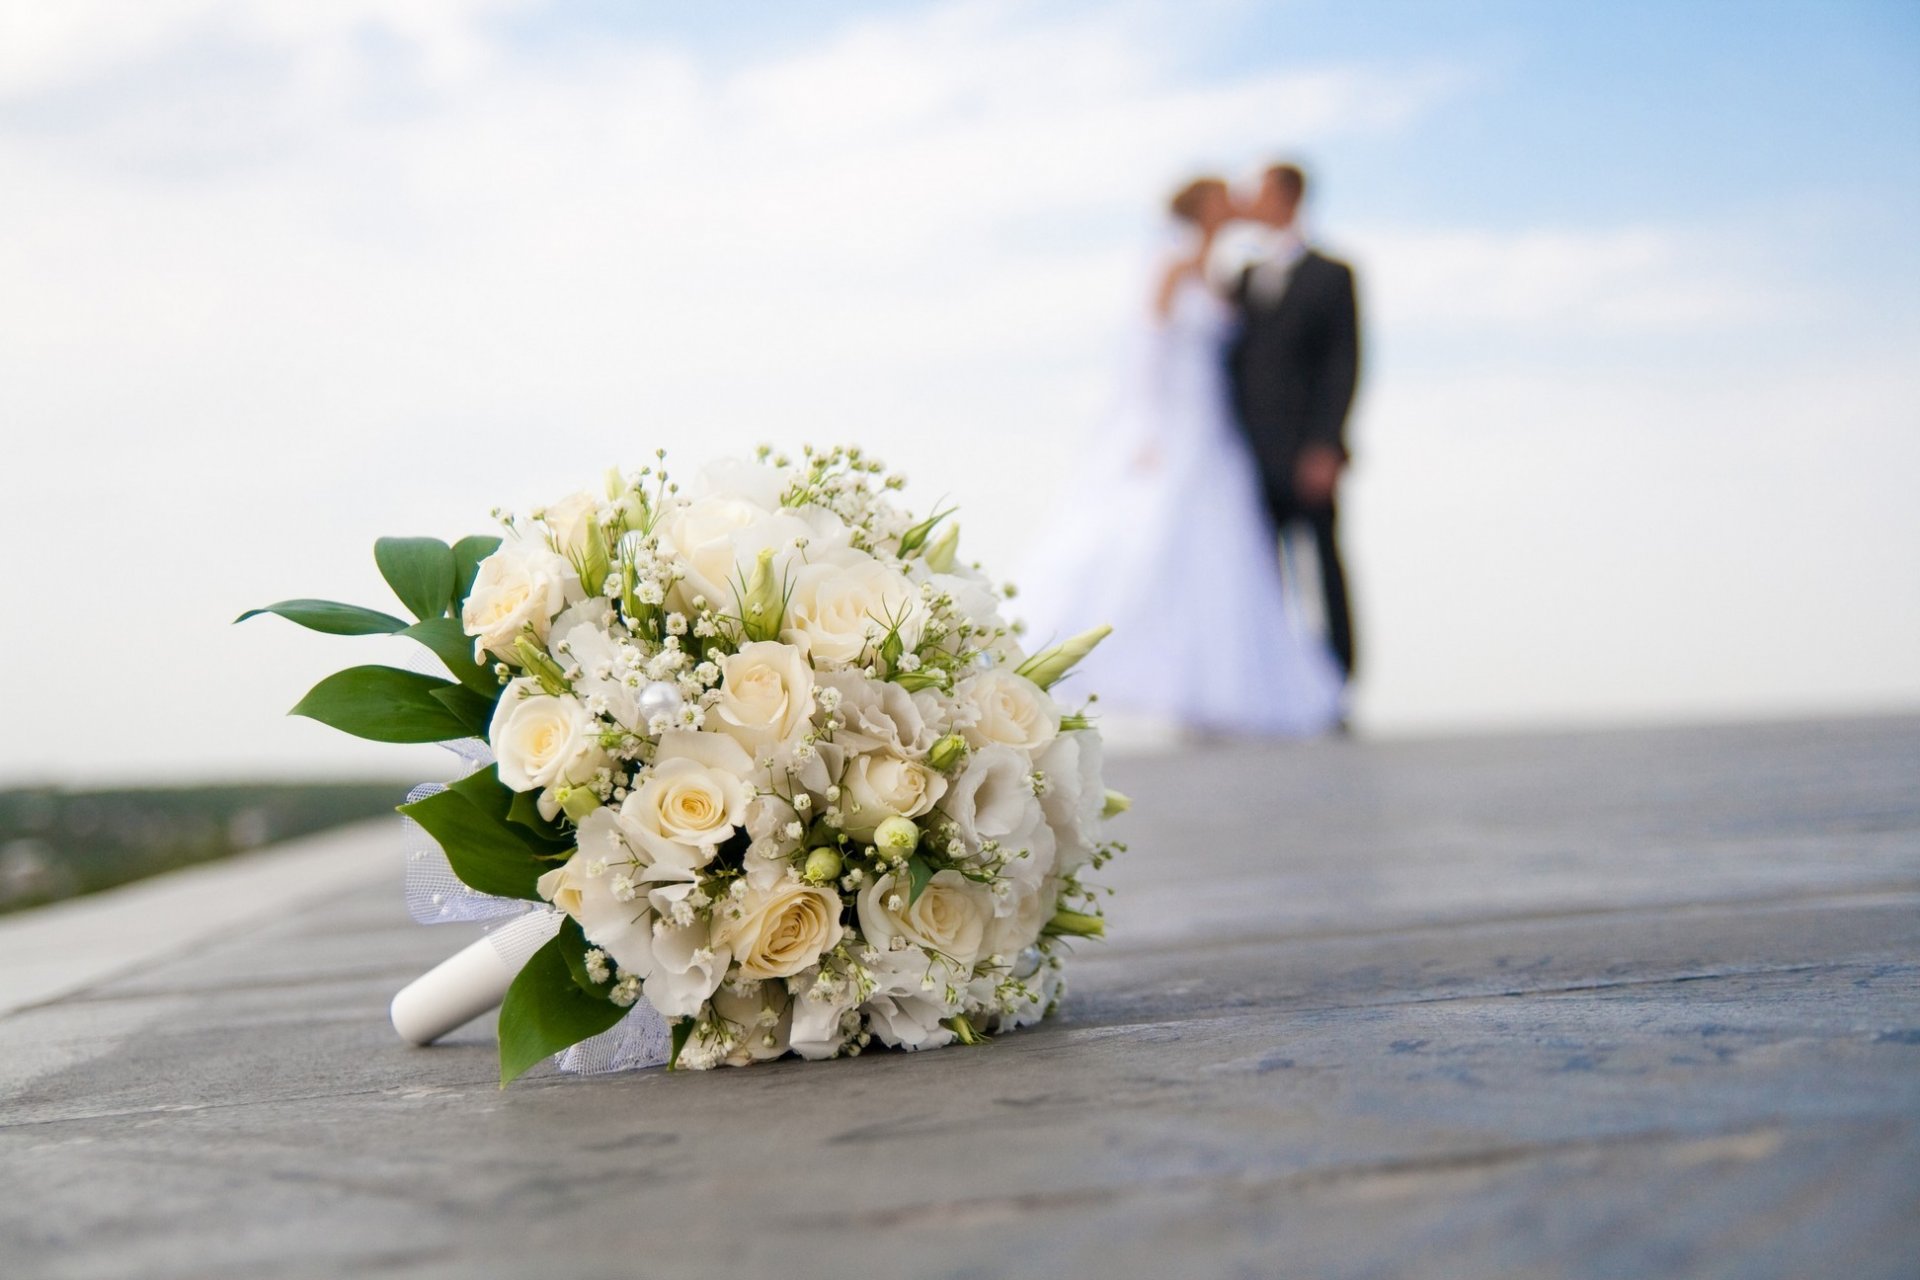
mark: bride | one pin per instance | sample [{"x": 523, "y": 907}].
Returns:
[{"x": 1164, "y": 535}]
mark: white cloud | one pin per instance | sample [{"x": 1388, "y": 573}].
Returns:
[{"x": 1638, "y": 280}]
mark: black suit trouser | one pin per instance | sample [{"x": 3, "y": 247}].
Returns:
[{"x": 1322, "y": 521}]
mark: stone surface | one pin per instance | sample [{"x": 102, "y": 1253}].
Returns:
[{"x": 1612, "y": 1004}]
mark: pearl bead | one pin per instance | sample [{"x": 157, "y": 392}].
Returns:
[
  {"x": 658, "y": 699},
  {"x": 1027, "y": 963}
]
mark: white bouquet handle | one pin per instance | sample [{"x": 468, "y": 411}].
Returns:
[{"x": 471, "y": 981}]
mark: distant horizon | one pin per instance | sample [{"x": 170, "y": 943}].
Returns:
[{"x": 1127, "y": 741}]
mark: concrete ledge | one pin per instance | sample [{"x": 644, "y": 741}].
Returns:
[{"x": 65, "y": 948}]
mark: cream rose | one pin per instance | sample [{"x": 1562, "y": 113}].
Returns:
[
  {"x": 837, "y": 611},
  {"x": 881, "y": 786},
  {"x": 518, "y": 588},
  {"x": 541, "y": 741},
  {"x": 766, "y": 695},
  {"x": 1001, "y": 706},
  {"x": 778, "y": 932},
  {"x": 688, "y": 802},
  {"x": 949, "y": 919}
]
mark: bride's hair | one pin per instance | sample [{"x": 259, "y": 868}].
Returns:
[{"x": 1189, "y": 201}]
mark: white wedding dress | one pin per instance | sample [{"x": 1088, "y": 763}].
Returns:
[{"x": 1164, "y": 535}]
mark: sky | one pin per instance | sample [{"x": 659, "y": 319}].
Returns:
[{"x": 1637, "y": 439}]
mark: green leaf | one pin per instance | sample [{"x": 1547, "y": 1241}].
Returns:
[
  {"x": 484, "y": 791},
  {"x": 546, "y": 1011},
  {"x": 921, "y": 872},
  {"x": 331, "y": 617},
  {"x": 682, "y": 1032},
  {"x": 483, "y": 850},
  {"x": 525, "y": 814},
  {"x": 474, "y": 711},
  {"x": 384, "y": 704},
  {"x": 420, "y": 571},
  {"x": 467, "y": 555},
  {"x": 573, "y": 948},
  {"x": 454, "y": 647}
]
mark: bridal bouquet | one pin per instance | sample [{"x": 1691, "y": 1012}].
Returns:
[{"x": 770, "y": 748}]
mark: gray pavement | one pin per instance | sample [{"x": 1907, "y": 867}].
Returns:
[{"x": 1611, "y": 1004}]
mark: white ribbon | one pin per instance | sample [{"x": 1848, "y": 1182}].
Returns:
[{"x": 476, "y": 979}]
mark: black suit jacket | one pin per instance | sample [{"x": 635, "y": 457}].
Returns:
[{"x": 1294, "y": 364}]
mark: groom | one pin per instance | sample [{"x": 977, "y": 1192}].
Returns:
[{"x": 1293, "y": 369}]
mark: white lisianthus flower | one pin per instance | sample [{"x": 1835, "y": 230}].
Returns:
[
  {"x": 1075, "y": 796},
  {"x": 779, "y": 931},
  {"x": 568, "y": 521},
  {"x": 822, "y": 1004},
  {"x": 1006, "y": 708},
  {"x": 1025, "y": 912},
  {"x": 909, "y": 1002},
  {"x": 518, "y": 588},
  {"x": 948, "y": 920},
  {"x": 838, "y": 611},
  {"x": 766, "y": 695},
  {"x": 760, "y": 1015},
  {"x": 584, "y": 635},
  {"x": 688, "y": 802},
  {"x": 745, "y": 481},
  {"x": 542, "y": 741},
  {"x": 878, "y": 715},
  {"x": 623, "y": 929},
  {"x": 993, "y": 798},
  {"x": 882, "y": 786},
  {"x": 687, "y": 964}
]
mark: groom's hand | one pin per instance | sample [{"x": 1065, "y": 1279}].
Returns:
[{"x": 1316, "y": 475}]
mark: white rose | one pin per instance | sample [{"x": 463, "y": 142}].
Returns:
[
  {"x": 779, "y": 931},
  {"x": 837, "y": 610},
  {"x": 714, "y": 542},
  {"x": 1001, "y": 706},
  {"x": 518, "y": 588},
  {"x": 542, "y": 741},
  {"x": 766, "y": 695},
  {"x": 688, "y": 802},
  {"x": 881, "y": 786},
  {"x": 948, "y": 920}
]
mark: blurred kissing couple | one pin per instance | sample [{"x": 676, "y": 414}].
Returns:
[{"x": 1205, "y": 524}]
